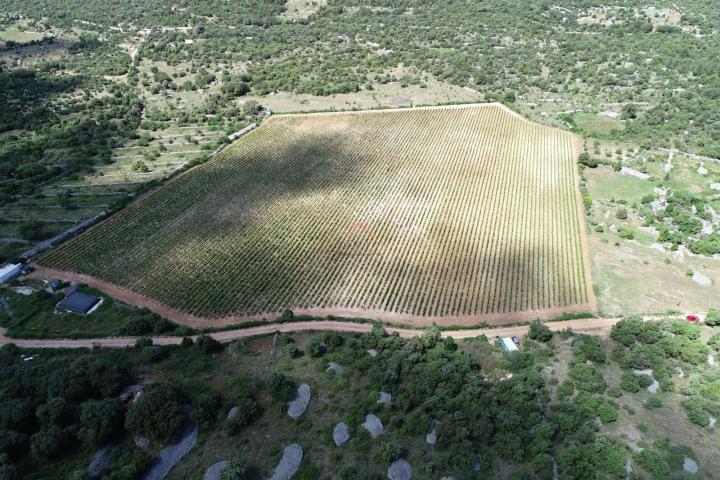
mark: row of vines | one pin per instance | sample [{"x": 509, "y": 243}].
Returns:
[{"x": 429, "y": 212}]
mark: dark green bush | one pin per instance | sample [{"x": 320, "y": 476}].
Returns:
[
  {"x": 588, "y": 347},
  {"x": 629, "y": 382},
  {"x": 713, "y": 317},
  {"x": 280, "y": 388},
  {"x": 315, "y": 348},
  {"x": 587, "y": 378},
  {"x": 100, "y": 420},
  {"x": 539, "y": 331},
  {"x": 695, "y": 409},
  {"x": 207, "y": 344},
  {"x": 236, "y": 469},
  {"x": 206, "y": 408},
  {"x": 157, "y": 414}
]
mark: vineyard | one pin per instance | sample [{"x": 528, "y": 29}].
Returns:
[{"x": 450, "y": 214}]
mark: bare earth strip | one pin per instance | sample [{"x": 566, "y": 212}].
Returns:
[
  {"x": 595, "y": 326},
  {"x": 183, "y": 318}
]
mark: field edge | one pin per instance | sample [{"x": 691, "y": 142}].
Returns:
[{"x": 182, "y": 318}]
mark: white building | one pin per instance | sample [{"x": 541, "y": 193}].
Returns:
[
  {"x": 9, "y": 272},
  {"x": 508, "y": 345}
]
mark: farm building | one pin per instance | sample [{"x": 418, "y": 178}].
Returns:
[
  {"x": 10, "y": 272},
  {"x": 79, "y": 302},
  {"x": 508, "y": 345}
]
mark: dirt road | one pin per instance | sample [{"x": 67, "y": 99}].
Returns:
[{"x": 596, "y": 326}]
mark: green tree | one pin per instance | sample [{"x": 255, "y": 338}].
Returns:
[
  {"x": 100, "y": 420},
  {"x": 157, "y": 414}
]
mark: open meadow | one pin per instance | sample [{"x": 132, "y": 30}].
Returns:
[{"x": 455, "y": 214}]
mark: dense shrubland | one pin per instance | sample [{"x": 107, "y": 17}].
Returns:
[{"x": 491, "y": 410}]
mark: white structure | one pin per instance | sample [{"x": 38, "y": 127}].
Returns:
[
  {"x": 9, "y": 272},
  {"x": 508, "y": 345}
]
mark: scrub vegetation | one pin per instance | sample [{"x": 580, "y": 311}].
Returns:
[{"x": 576, "y": 404}]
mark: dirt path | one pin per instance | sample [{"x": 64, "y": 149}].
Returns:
[{"x": 595, "y": 326}]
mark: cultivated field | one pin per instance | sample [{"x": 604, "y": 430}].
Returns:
[{"x": 455, "y": 215}]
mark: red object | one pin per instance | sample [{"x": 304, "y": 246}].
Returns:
[{"x": 692, "y": 318}]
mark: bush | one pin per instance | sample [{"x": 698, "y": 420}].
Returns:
[
  {"x": 207, "y": 344},
  {"x": 518, "y": 361},
  {"x": 695, "y": 409},
  {"x": 644, "y": 380},
  {"x": 621, "y": 214},
  {"x": 290, "y": 350},
  {"x": 389, "y": 452},
  {"x": 236, "y": 469},
  {"x": 145, "y": 323},
  {"x": 629, "y": 382},
  {"x": 32, "y": 230},
  {"x": 626, "y": 330},
  {"x": 87, "y": 377},
  {"x": 539, "y": 331},
  {"x": 653, "y": 402},
  {"x": 714, "y": 342},
  {"x": 597, "y": 406},
  {"x": 128, "y": 464},
  {"x": 13, "y": 444},
  {"x": 587, "y": 378},
  {"x": 588, "y": 347},
  {"x": 206, "y": 408},
  {"x": 52, "y": 442},
  {"x": 565, "y": 390},
  {"x": 157, "y": 414},
  {"x": 280, "y": 388},
  {"x": 684, "y": 329},
  {"x": 615, "y": 391},
  {"x": 332, "y": 339},
  {"x": 315, "y": 348},
  {"x": 694, "y": 352},
  {"x": 100, "y": 420},
  {"x": 287, "y": 315},
  {"x": 626, "y": 233},
  {"x": 713, "y": 317},
  {"x": 247, "y": 411},
  {"x": 153, "y": 354},
  {"x": 587, "y": 160},
  {"x": 449, "y": 343},
  {"x": 654, "y": 463}
]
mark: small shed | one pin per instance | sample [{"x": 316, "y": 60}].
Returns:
[
  {"x": 9, "y": 272},
  {"x": 80, "y": 302},
  {"x": 508, "y": 345}
]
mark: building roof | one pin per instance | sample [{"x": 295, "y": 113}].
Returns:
[
  {"x": 9, "y": 271},
  {"x": 79, "y": 302},
  {"x": 508, "y": 345}
]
